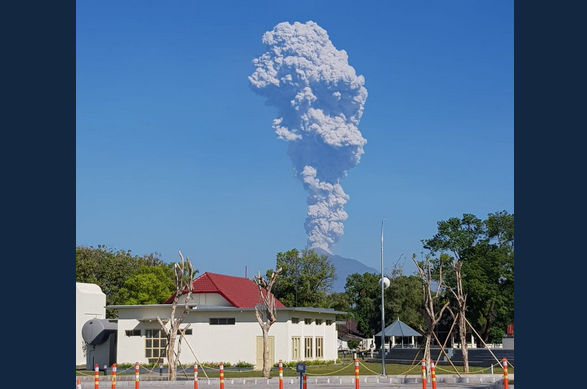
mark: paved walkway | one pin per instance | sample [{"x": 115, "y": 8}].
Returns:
[{"x": 444, "y": 381}]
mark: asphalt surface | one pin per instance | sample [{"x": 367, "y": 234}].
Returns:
[{"x": 444, "y": 381}]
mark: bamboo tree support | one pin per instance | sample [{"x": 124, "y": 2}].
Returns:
[
  {"x": 423, "y": 373},
  {"x": 192, "y": 350},
  {"x": 96, "y": 376},
  {"x": 447, "y": 357},
  {"x": 356, "y": 373},
  {"x": 505, "y": 373},
  {"x": 114, "y": 376},
  {"x": 444, "y": 344},
  {"x": 136, "y": 375},
  {"x": 484, "y": 344},
  {"x": 433, "y": 374}
]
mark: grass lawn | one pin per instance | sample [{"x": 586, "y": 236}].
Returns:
[{"x": 345, "y": 367}]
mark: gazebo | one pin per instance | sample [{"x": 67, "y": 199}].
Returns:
[{"x": 400, "y": 329}]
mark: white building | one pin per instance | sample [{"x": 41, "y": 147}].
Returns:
[
  {"x": 222, "y": 327},
  {"x": 90, "y": 303}
]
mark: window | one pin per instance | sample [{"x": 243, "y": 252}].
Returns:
[
  {"x": 296, "y": 353},
  {"x": 318, "y": 322},
  {"x": 319, "y": 343},
  {"x": 328, "y": 322},
  {"x": 155, "y": 343},
  {"x": 308, "y": 321},
  {"x": 186, "y": 332},
  {"x": 222, "y": 321},
  {"x": 308, "y": 347},
  {"x": 295, "y": 320},
  {"x": 133, "y": 332}
]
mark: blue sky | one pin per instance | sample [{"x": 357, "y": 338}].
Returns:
[{"x": 176, "y": 152}]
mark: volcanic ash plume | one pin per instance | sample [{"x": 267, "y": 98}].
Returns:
[{"x": 319, "y": 101}]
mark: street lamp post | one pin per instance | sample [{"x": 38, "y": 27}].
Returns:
[{"x": 382, "y": 307}]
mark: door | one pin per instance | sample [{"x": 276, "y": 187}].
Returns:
[{"x": 259, "y": 365}]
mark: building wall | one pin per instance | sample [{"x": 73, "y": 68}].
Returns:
[
  {"x": 208, "y": 299},
  {"x": 224, "y": 343},
  {"x": 90, "y": 303},
  {"x": 508, "y": 343}
]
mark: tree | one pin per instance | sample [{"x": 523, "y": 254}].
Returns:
[
  {"x": 353, "y": 344},
  {"x": 306, "y": 278},
  {"x": 339, "y": 302},
  {"x": 110, "y": 269},
  {"x": 364, "y": 294},
  {"x": 152, "y": 285},
  {"x": 430, "y": 313},
  {"x": 489, "y": 279},
  {"x": 184, "y": 275},
  {"x": 266, "y": 313},
  {"x": 403, "y": 299},
  {"x": 466, "y": 239}
]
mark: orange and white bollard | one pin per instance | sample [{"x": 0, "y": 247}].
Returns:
[
  {"x": 433, "y": 374},
  {"x": 136, "y": 375},
  {"x": 305, "y": 385},
  {"x": 221, "y": 375},
  {"x": 78, "y": 384},
  {"x": 506, "y": 382},
  {"x": 280, "y": 374},
  {"x": 96, "y": 376},
  {"x": 114, "y": 376},
  {"x": 195, "y": 376},
  {"x": 356, "y": 373},
  {"x": 423, "y": 373}
]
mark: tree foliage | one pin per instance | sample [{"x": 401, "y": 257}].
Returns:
[
  {"x": 339, "y": 302},
  {"x": 152, "y": 285},
  {"x": 403, "y": 300},
  {"x": 305, "y": 280},
  {"x": 489, "y": 279},
  {"x": 477, "y": 257},
  {"x": 364, "y": 294},
  {"x": 124, "y": 278}
]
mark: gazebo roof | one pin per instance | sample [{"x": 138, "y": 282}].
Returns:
[{"x": 399, "y": 328}]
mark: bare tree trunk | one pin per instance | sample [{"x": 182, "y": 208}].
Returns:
[
  {"x": 427, "y": 357},
  {"x": 461, "y": 308},
  {"x": 428, "y": 304},
  {"x": 266, "y": 314},
  {"x": 184, "y": 274},
  {"x": 266, "y": 367},
  {"x": 463, "y": 338},
  {"x": 171, "y": 360}
]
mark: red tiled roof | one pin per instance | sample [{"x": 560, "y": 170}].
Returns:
[{"x": 240, "y": 292}]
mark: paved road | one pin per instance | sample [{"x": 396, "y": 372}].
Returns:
[{"x": 477, "y": 381}]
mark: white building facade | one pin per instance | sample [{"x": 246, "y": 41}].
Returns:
[{"x": 222, "y": 333}]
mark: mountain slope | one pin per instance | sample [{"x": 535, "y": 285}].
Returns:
[{"x": 345, "y": 267}]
